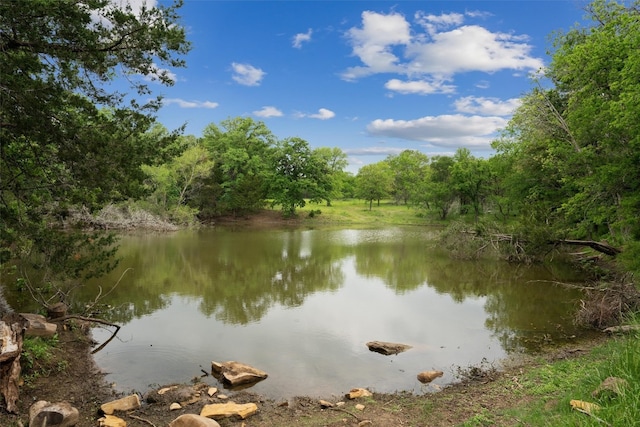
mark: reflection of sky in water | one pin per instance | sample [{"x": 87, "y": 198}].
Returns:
[{"x": 317, "y": 348}]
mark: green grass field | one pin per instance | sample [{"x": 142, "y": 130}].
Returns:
[{"x": 356, "y": 211}]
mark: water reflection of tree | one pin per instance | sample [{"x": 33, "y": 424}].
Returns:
[
  {"x": 288, "y": 267},
  {"x": 523, "y": 306},
  {"x": 237, "y": 276}
]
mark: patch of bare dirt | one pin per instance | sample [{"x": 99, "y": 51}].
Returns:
[{"x": 73, "y": 377}]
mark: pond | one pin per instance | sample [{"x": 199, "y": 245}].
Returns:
[{"x": 301, "y": 304}]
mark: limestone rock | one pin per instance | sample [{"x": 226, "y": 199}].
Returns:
[
  {"x": 57, "y": 310},
  {"x": 175, "y": 406},
  {"x": 125, "y": 404},
  {"x": 325, "y": 404},
  {"x": 184, "y": 394},
  {"x": 111, "y": 421},
  {"x": 229, "y": 409},
  {"x": 193, "y": 420},
  {"x": 387, "y": 348},
  {"x": 38, "y": 326},
  {"x": 60, "y": 414},
  {"x": 428, "y": 376},
  {"x": 612, "y": 386},
  {"x": 163, "y": 390},
  {"x": 236, "y": 373},
  {"x": 360, "y": 407},
  {"x": 211, "y": 391},
  {"x": 586, "y": 407},
  {"x": 358, "y": 392}
]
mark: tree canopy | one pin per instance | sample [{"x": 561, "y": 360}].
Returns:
[{"x": 66, "y": 139}]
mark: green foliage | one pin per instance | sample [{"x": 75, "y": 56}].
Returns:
[
  {"x": 241, "y": 150},
  {"x": 409, "y": 169},
  {"x": 174, "y": 183},
  {"x": 298, "y": 174},
  {"x": 374, "y": 182},
  {"x": 37, "y": 357},
  {"x": 67, "y": 140},
  {"x": 570, "y": 157}
]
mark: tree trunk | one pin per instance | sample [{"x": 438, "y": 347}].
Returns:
[{"x": 12, "y": 327}]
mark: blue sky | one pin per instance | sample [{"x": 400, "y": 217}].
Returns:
[{"x": 371, "y": 77}]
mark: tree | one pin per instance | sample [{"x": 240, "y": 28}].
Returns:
[
  {"x": 437, "y": 190},
  {"x": 67, "y": 140},
  {"x": 373, "y": 182},
  {"x": 575, "y": 147},
  {"x": 409, "y": 168},
  {"x": 173, "y": 183},
  {"x": 241, "y": 149},
  {"x": 335, "y": 160},
  {"x": 470, "y": 178},
  {"x": 298, "y": 174}
]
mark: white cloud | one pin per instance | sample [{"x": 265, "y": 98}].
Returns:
[
  {"x": 189, "y": 104},
  {"x": 443, "y": 131},
  {"x": 374, "y": 41},
  {"x": 299, "y": 38},
  {"x": 268, "y": 111},
  {"x": 439, "y": 46},
  {"x": 420, "y": 87},
  {"x": 487, "y": 106},
  {"x": 432, "y": 23},
  {"x": 246, "y": 74},
  {"x": 322, "y": 114}
]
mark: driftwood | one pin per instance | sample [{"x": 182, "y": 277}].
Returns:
[
  {"x": 603, "y": 247},
  {"x": 12, "y": 328}
]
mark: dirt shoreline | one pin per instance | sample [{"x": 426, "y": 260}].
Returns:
[{"x": 73, "y": 376}]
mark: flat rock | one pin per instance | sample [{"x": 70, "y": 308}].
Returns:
[
  {"x": 358, "y": 392},
  {"x": 125, "y": 404},
  {"x": 38, "y": 326},
  {"x": 236, "y": 373},
  {"x": 387, "y": 348},
  {"x": 428, "y": 376},
  {"x": 111, "y": 421},
  {"x": 60, "y": 414},
  {"x": 229, "y": 409},
  {"x": 193, "y": 420}
]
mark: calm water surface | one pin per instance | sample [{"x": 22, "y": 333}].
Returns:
[{"x": 301, "y": 304}]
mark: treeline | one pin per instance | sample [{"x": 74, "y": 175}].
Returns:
[{"x": 239, "y": 167}]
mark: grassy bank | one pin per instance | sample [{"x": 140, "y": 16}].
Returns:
[{"x": 355, "y": 212}]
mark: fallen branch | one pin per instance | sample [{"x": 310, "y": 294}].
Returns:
[
  {"x": 346, "y": 412},
  {"x": 142, "y": 419},
  {"x": 605, "y": 248},
  {"x": 93, "y": 320}
]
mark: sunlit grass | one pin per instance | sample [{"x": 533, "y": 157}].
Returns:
[
  {"x": 555, "y": 385},
  {"x": 355, "y": 211}
]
